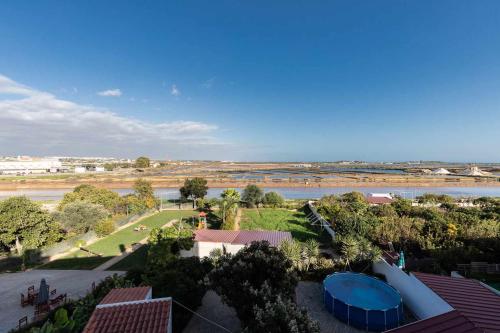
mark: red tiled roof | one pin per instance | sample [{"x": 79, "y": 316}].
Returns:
[
  {"x": 478, "y": 304},
  {"x": 450, "y": 322},
  {"x": 242, "y": 236},
  {"x": 273, "y": 237},
  {"x": 379, "y": 200},
  {"x": 151, "y": 316},
  {"x": 216, "y": 236},
  {"x": 120, "y": 295}
]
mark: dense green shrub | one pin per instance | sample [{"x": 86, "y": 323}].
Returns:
[
  {"x": 252, "y": 195},
  {"x": 169, "y": 275},
  {"x": 105, "y": 227},
  {"x": 279, "y": 315},
  {"x": 24, "y": 225},
  {"x": 273, "y": 199},
  {"x": 110, "y": 200},
  {"x": 181, "y": 279},
  {"x": 446, "y": 232},
  {"x": 238, "y": 278},
  {"x": 80, "y": 217}
]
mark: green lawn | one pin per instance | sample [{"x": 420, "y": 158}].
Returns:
[
  {"x": 76, "y": 263},
  {"x": 116, "y": 243},
  {"x": 136, "y": 259},
  {"x": 282, "y": 220}
]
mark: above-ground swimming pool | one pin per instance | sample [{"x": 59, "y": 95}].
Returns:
[{"x": 363, "y": 301}]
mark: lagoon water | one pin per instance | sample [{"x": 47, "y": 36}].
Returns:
[{"x": 288, "y": 192}]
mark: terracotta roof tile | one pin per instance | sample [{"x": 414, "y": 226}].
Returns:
[
  {"x": 243, "y": 237},
  {"x": 450, "y": 322},
  {"x": 217, "y": 236},
  {"x": 119, "y": 295},
  {"x": 149, "y": 316},
  {"x": 273, "y": 237},
  {"x": 378, "y": 200},
  {"x": 478, "y": 304}
]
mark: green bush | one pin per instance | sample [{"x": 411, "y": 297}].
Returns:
[
  {"x": 80, "y": 216},
  {"x": 273, "y": 199},
  {"x": 252, "y": 195},
  {"x": 25, "y": 225},
  {"x": 237, "y": 277},
  {"x": 105, "y": 227},
  {"x": 279, "y": 315}
]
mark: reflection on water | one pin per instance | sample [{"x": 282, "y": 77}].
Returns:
[{"x": 288, "y": 192}]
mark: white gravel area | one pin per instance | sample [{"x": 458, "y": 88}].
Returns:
[{"x": 74, "y": 283}]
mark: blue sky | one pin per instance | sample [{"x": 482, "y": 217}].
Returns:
[{"x": 252, "y": 80}]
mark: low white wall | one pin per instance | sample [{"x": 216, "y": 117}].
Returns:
[
  {"x": 420, "y": 299},
  {"x": 203, "y": 249}
]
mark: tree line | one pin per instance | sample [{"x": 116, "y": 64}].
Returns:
[
  {"x": 445, "y": 232},
  {"x": 25, "y": 225}
]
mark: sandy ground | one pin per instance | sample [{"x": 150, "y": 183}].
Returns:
[
  {"x": 75, "y": 283},
  {"x": 346, "y": 180},
  {"x": 310, "y": 296},
  {"x": 213, "y": 309}
]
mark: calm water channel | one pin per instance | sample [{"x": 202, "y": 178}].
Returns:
[{"x": 288, "y": 192}]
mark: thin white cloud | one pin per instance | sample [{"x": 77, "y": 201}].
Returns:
[
  {"x": 208, "y": 83},
  {"x": 174, "y": 91},
  {"x": 40, "y": 122},
  {"x": 110, "y": 93}
]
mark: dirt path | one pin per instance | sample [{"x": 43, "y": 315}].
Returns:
[{"x": 128, "y": 251}]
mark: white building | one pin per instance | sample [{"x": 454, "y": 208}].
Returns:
[
  {"x": 26, "y": 166},
  {"x": 380, "y": 195},
  {"x": 206, "y": 240},
  {"x": 80, "y": 169}
]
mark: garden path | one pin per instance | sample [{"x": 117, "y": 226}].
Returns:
[{"x": 128, "y": 251}]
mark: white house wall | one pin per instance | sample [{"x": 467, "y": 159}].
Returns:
[
  {"x": 203, "y": 249},
  {"x": 420, "y": 299}
]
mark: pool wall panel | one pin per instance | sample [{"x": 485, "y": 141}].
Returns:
[{"x": 372, "y": 320}]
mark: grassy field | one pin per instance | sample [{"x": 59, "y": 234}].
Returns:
[
  {"x": 116, "y": 243},
  {"x": 76, "y": 263},
  {"x": 282, "y": 220},
  {"x": 136, "y": 259}
]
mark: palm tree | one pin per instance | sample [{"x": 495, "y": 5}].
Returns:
[
  {"x": 310, "y": 251},
  {"x": 230, "y": 200},
  {"x": 292, "y": 250},
  {"x": 375, "y": 254},
  {"x": 349, "y": 249}
]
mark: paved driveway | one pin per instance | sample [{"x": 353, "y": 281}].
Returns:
[{"x": 75, "y": 284}]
